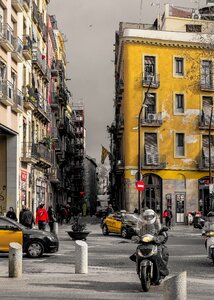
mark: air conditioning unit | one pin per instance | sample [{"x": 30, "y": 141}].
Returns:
[
  {"x": 196, "y": 15},
  {"x": 151, "y": 117}
]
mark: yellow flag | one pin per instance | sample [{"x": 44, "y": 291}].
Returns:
[{"x": 104, "y": 154}]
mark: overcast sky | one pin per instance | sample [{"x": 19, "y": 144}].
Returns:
[{"x": 89, "y": 27}]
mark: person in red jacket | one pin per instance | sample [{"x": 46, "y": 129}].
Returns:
[{"x": 41, "y": 217}]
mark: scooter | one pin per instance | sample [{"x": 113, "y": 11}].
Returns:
[
  {"x": 150, "y": 266},
  {"x": 210, "y": 244}
]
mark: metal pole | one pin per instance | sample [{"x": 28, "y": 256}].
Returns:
[
  {"x": 210, "y": 156},
  {"x": 139, "y": 141}
]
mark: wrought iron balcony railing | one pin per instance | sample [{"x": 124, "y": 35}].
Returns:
[
  {"x": 151, "y": 79},
  {"x": 7, "y": 41},
  {"x": 37, "y": 59},
  {"x": 18, "y": 101},
  {"x": 6, "y": 92},
  {"x": 154, "y": 161},
  {"x": 152, "y": 119}
]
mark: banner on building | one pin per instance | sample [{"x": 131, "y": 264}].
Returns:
[{"x": 104, "y": 154}]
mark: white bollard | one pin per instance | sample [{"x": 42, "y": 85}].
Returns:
[
  {"x": 15, "y": 260},
  {"x": 81, "y": 257},
  {"x": 55, "y": 228},
  {"x": 175, "y": 287}
]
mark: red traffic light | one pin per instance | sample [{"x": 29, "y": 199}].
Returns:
[
  {"x": 82, "y": 193},
  {"x": 140, "y": 185}
]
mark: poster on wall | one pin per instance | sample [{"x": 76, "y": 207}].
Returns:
[{"x": 23, "y": 187}]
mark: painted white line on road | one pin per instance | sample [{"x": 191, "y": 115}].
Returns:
[
  {"x": 200, "y": 280},
  {"x": 188, "y": 256}
]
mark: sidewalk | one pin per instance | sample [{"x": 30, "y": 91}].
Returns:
[{"x": 184, "y": 230}]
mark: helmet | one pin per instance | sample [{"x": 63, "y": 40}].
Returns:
[
  {"x": 210, "y": 216},
  {"x": 149, "y": 216}
]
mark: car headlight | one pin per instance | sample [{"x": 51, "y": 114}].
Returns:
[{"x": 51, "y": 238}]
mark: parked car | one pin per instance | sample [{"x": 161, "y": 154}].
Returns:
[
  {"x": 121, "y": 223},
  {"x": 34, "y": 242}
]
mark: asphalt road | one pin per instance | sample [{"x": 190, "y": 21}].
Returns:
[{"x": 111, "y": 274}]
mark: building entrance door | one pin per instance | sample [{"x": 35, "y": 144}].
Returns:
[
  {"x": 180, "y": 207},
  {"x": 204, "y": 196},
  {"x": 153, "y": 193}
]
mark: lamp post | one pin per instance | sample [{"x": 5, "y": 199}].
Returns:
[
  {"x": 210, "y": 161},
  {"x": 139, "y": 141}
]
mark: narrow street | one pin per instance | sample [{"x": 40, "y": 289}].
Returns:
[{"x": 111, "y": 274}]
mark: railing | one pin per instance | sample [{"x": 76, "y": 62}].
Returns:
[
  {"x": 8, "y": 33},
  {"x": 29, "y": 150},
  {"x": 153, "y": 119},
  {"x": 207, "y": 84},
  {"x": 204, "y": 119},
  {"x": 7, "y": 89},
  {"x": 43, "y": 152},
  {"x": 151, "y": 79},
  {"x": 27, "y": 43},
  {"x": 18, "y": 98},
  {"x": 204, "y": 162},
  {"x": 18, "y": 45},
  {"x": 37, "y": 58},
  {"x": 154, "y": 160},
  {"x": 35, "y": 12}
]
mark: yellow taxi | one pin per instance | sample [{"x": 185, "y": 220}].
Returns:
[
  {"x": 120, "y": 223},
  {"x": 34, "y": 242}
]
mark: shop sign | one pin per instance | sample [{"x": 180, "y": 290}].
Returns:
[{"x": 23, "y": 175}]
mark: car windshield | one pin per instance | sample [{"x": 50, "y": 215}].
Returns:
[{"x": 10, "y": 221}]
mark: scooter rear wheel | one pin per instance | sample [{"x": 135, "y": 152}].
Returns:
[{"x": 145, "y": 278}]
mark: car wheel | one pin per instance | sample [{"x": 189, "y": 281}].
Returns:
[
  {"x": 124, "y": 233},
  {"x": 105, "y": 230},
  {"x": 35, "y": 249}
]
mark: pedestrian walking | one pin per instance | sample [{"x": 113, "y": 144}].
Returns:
[
  {"x": 62, "y": 214},
  {"x": 28, "y": 218},
  {"x": 11, "y": 214},
  {"x": 21, "y": 213},
  {"x": 168, "y": 217},
  {"x": 51, "y": 218},
  {"x": 41, "y": 217}
]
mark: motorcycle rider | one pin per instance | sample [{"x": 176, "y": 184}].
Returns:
[
  {"x": 151, "y": 225},
  {"x": 208, "y": 225}
]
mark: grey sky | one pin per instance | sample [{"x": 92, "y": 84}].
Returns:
[{"x": 89, "y": 26}]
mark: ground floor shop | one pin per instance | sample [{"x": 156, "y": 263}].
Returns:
[{"x": 182, "y": 192}]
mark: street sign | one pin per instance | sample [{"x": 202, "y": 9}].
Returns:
[{"x": 140, "y": 185}]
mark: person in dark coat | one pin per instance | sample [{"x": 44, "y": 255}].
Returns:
[
  {"x": 28, "y": 218},
  {"x": 11, "y": 214},
  {"x": 51, "y": 217},
  {"x": 21, "y": 213}
]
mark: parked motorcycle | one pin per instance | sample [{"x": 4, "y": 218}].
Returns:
[
  {"x": 198, "y": 222},
  {"x": 151, "y": 260},
  {"x": 210, "y": 244}
]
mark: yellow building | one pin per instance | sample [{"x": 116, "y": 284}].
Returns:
[{"x": 176, "y": 69}]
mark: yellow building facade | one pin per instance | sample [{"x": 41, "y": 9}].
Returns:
[{"x": 175, "y": 70}]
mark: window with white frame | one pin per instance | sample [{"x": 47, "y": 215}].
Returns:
[
  {"x": 179, "y": 144},
  {"x": 179, "y": 103},
  {"x": 179, "y": 66}
]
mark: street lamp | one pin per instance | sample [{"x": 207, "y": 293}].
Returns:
[{"x": 139, "y": 141}]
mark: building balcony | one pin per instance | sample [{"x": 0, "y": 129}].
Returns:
[
  {"x": 153, "y": 80},
  {"x": 204, "y": 120},
  {"x": 7, "y": 41},
  {"x": 61, "y": 125},
  {"x": 18, "y": 101},
  {"x": 43, "y": 156},
  {"x": 29, "y": 153},
  {"x": 54, "y": 175},
  {"x": 154, "y": 161},
  {"x": 54, "y": 101},
  {"x": 152, "y": 120},
  {"x": 40, "y": 22},
  {"x": 35, "y": 13},
  {"x": 6, "y": 93},
  {"x": 17, "y": 5},
  {"x": 203, "y": 161},
  {"x": 207, "y": 85},
  {"x": 41, "y": 108},
  {"x": 17, "y": 53},
  {"x": 26, "y": 5},
  {"x": 27, "y": 48},
  {"x": 38, "y": 60},
  {"x": 54, "y": 133},
  {"x": 79, "y": 131}
]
